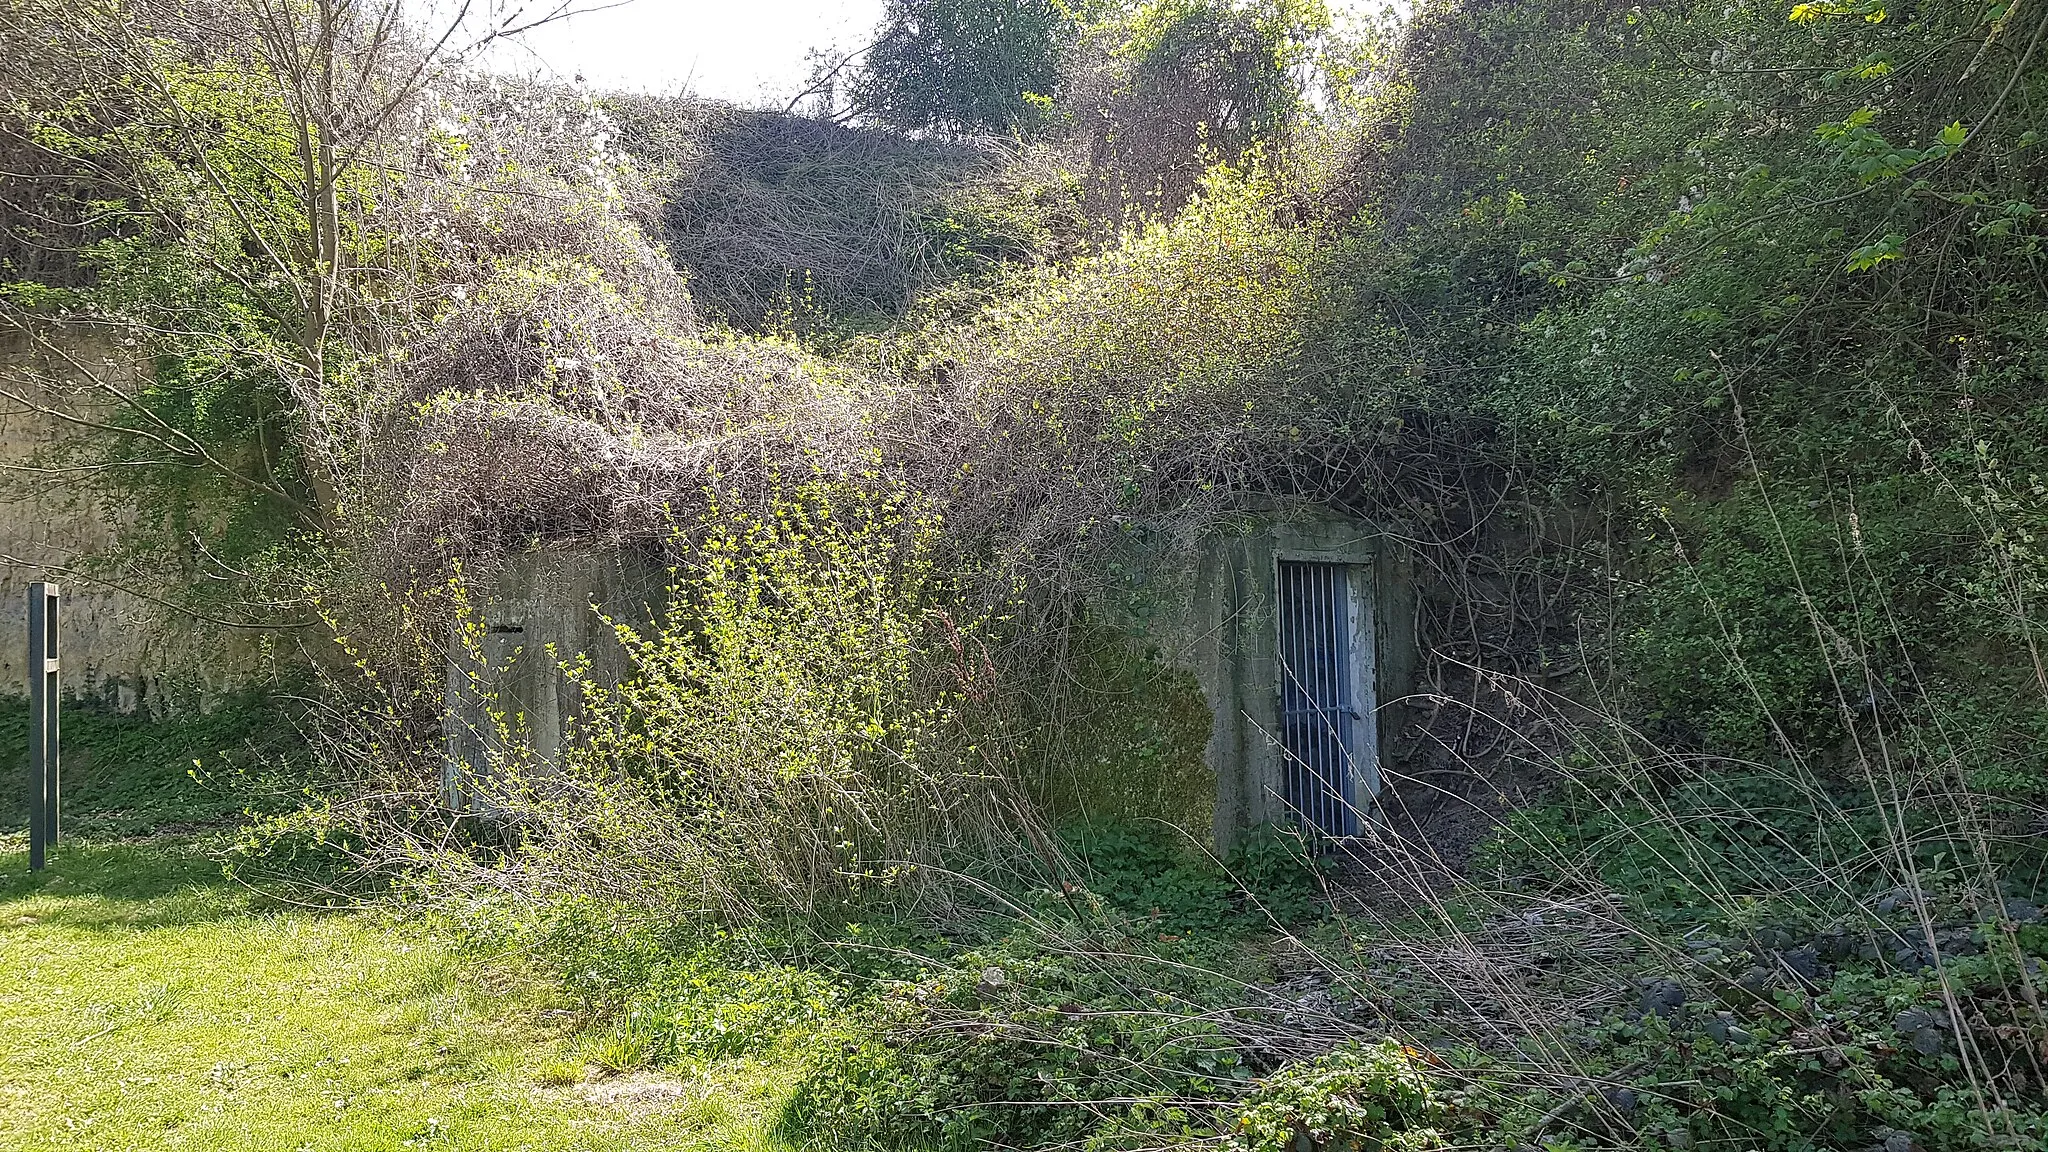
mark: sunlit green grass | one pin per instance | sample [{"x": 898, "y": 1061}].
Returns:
[{"x": 145, "y": 1002}]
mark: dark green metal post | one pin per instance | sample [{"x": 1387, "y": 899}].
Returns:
[{"x": 41, "y": 672}]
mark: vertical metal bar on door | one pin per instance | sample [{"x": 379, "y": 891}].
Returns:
[
  {"x": 1320, "y": 697},
  {"x": 41, "y": 671}
]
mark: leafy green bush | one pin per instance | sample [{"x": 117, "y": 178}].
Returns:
[
  {"x": 970, "y": 66},
  {"x": 1863, "y": 1058},
  {"x": 1745, "y": 843},
  {"x": 1796, "y": 370},
  {"x": 789, "y": 740},
  {"x": 1022, "y": 1045},
  {"x": 1359, "y": 1098}
]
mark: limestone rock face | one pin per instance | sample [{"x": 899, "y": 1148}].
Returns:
[
  {"x": 119, "y": 648},
  {"x": 47, "y": 523}
]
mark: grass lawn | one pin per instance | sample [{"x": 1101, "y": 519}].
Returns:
[{"x": 148, "y": 1003}]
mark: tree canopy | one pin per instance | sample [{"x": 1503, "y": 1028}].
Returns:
[{"x": 967, "y": 66}]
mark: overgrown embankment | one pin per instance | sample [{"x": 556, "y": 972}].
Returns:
[{"x": 1697, "y": 351}]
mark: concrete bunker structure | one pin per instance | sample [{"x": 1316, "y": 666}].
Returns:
[
  {"x": 1298, "y": 628},
  {"x": 509, "y": 704}
]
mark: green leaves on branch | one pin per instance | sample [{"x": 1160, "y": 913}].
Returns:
[
  {"x": 1871, "y": 158},
  {"x": 1871, "y": 255}
]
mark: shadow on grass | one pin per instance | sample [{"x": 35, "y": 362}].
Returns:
[{"x": 109, "y": 886}]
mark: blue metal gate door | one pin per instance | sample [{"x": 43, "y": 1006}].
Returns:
[{"x": 1318, "y": 714}]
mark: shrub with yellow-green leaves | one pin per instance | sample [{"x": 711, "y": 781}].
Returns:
[{"x": 789, "y": 736}]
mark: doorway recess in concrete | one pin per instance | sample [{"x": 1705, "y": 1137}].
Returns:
[
  {"x": 512, "y": 704},
  {"x": 1326, "y": 689},
  {"x": 1299, "y": 629}
]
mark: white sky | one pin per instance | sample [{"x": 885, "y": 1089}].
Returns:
[{"x": 744, "y": 51}]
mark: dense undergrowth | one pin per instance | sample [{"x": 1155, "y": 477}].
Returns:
[
  {"x": 1165, "y": 1000},
  {"x": 127, "y": 775},
  {"x": 1694, "y": 352}
]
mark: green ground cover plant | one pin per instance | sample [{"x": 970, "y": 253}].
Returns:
[{"x": 129, "y": 775}]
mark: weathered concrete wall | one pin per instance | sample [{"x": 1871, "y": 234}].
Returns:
[
  {"x": 1217, "y": 618},
  {"x": 1210, "y": 617},
  {"x": 59, "y": 387},
  {"x": 508, "y": 694}
]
